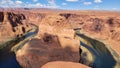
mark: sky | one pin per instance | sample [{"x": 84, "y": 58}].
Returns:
[{"x": 63, "y": 4}]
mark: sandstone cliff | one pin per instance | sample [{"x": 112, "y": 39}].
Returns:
[
  {"x": 39, "y": 51},
  {"x": 12, "y": 25}
]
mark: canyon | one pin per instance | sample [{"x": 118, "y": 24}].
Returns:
[
  {"x": 62, "y": 38},
  {"x": 12, "y": 25}
]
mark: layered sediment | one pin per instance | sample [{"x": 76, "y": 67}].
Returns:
[{"x": 12, "y": 25}]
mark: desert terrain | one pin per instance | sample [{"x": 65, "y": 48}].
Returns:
[{"x": 54, "y": 38}]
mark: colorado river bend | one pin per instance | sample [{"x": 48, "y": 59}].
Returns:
[{"x": 102, "y": 57}]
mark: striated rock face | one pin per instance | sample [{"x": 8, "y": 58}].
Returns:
[
  {"x": 62, "y": 64},
  {"x": 62, "y": 32},
  {"x": 15, "y": 19},
  {"x": 63, "y": 20},
  {"x": 38, "y": 52},
  {"x": 106, "y": 30},
  {"x": 34, "y": 18},
  {"x": 12, "y": 25}
]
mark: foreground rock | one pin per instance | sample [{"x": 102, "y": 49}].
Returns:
[
  {"x": 62, "y": 64},
  {"x": 39, "y": 51}
]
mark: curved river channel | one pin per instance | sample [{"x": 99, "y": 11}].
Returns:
[
  {"x": 8, "y": 58},
  {"x": 101, "y": 55}
]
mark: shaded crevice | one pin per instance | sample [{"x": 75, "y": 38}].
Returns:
[
  {"x": 23, "y": 29},
  {"x": 110, "y": 21},
  {"x": 1, "y": 16},
  {"x": 15, "y": 19},
  {"x": 66, "y": 15}
]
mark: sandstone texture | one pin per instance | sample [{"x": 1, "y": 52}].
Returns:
[
  {"x": 38, "y": 52},
  {"x": 12, "y": 25},
  {"x": 62, "y": 64},
  {"x": 105, "y": 29}
]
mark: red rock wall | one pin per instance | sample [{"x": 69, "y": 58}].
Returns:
[{"x": 13, "y": 25}]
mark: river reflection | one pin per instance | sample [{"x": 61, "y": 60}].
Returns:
[
  {"x": 8, "y": 60},
  {"x": 103, "y": 57}
]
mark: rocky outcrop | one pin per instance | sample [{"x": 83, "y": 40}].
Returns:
[
  {"x": 62, "y": 32},
  {"x": 51, "y": 44},
  {"x": 12, "y": 25},
  {"x": 105, "y": 30},
  {"x": 62, "y": 64},
  {"x": 35, "y": 18},
  {"x": 38, "y": 52},
  {"x": 15, "y": 19}
]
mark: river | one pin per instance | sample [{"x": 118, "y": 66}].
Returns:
[
  {"x": 8, "y": 58},
  {"x": 103, "y": 57}
]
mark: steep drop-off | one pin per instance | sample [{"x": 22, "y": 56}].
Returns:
[{"x": 12, "y": 25}]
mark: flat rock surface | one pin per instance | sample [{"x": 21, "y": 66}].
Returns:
[
  {"x": 62, "y": 64},
  {"x": 49, "y": 48}
]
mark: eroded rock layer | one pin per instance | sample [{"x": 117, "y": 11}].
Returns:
[
  {"x": 38, "y": 52},
  {"x": 12, "y": 25}
]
